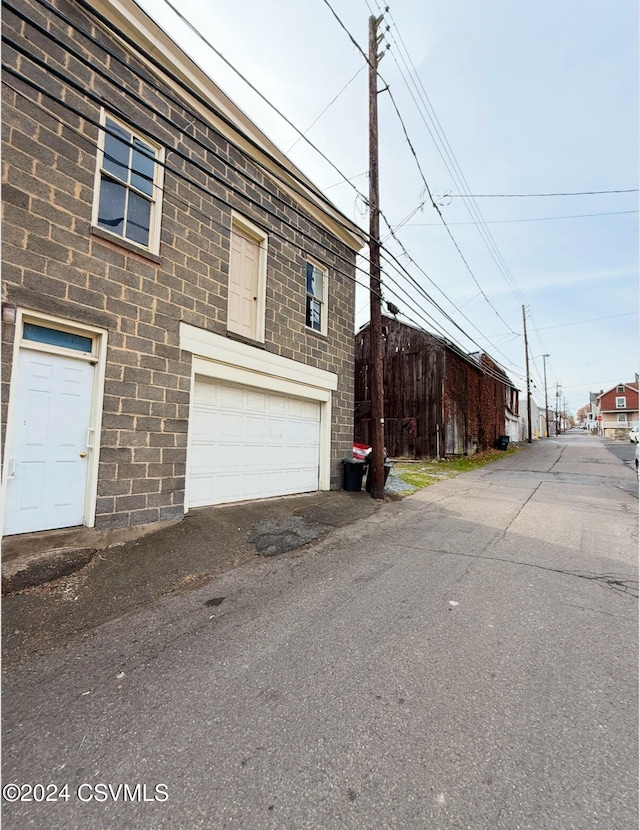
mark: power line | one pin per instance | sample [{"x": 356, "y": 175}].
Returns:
[
  {"x": 333, "y": 100},
  {"x": 582, "y": 322},
  {"x": 251, "y": 86},
  {"x": 439, "y": 212},
  {"x": 402, "y": 296},
  {"x": 305, "y": 187},
  {"x": 413, "y": 152},
  {"x": 531, "y": 219},
  {"x": 188, "y": 159},
  {"x": 255, "y": 89},
  {"x": 454, "y": 168},
  {"x": 535, "y": 195}
]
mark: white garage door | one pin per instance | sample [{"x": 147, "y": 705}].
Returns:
[{"x": 245, "y": 443}]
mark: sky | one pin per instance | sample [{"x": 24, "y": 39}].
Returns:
[{"x": 480, "y": 106}]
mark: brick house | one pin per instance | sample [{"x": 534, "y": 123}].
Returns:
[
  {"x": 438, "y": 400},
  {"x": 618, "y": 410},
  {"x": 177, "y": 298}
]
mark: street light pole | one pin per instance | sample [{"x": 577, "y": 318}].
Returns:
[
  {"x": 546, "y": 401},
  {"x": 526, "y": 356}
]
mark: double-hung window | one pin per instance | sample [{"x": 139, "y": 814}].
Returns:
[
  {"x": 128, "y": 185},
  {"x": 316, "y": 301},
  {"x": 621, "y": 402}
]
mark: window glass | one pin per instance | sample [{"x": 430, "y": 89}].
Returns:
[
  {"x": 111, "y": 208},
  {"x": 314, "y": 314},
  {"x": 54, "y": 337},
  {"x": 138, "y": 219},
  {"x": 116, "y": 151},
  {"x": 315, "y": 297},
  {"x": 142, "y": 167},
  {"x": 314, "y": 281}
]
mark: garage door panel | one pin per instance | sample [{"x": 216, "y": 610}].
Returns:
[{"x": 247, "y": 443}]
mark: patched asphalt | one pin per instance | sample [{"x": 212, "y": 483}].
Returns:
[{"x": 56, "y": 594}]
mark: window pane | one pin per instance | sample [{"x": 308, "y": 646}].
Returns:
[
  {"x": 111, "y": 209},
  {"x": 138, "y": 219},
  {"x": 142, "y": 167},
  {"x": 41, "y": 334},
  {"x": 116, "y": 151},
  {"x": 314, "y": 314},
  {"x": 314, "y": 281}
]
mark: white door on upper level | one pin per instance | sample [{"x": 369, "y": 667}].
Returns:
[
  {"x": 243, "y": 286},
  {"x": 47, "y": 457}
]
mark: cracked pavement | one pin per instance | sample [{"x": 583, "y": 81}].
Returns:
[{"x": 463, "y": 658}]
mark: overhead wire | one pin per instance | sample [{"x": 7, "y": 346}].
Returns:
[
  {"x": 510, "y": 221},
  {"x": 537, "y": 195},
  {"x": 439, "y": 212},
  {"x": 254, "y": 89},
  {"x": 254, "y": 182},
  {"x": 330, "y": 104},
  {"x": 444, "y": 149},
  {"x": 426, "y": 185},
  {"x": 401, "y": 295}
]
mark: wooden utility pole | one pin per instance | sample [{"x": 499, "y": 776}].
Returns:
[
  {"x": 376, "y": 387},
  {"x": 526, "y": 355},
  {"x": 546, "y": 400}
]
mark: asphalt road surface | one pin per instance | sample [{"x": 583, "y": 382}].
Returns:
[{"x": 464, "y": 658}]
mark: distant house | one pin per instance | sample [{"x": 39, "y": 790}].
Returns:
[
  {"x": 618, "y": 410},
  {"x": 178, "y": 298},
  {"x": 438, "y": 400}
]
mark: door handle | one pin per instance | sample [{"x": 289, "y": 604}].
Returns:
[{"x": 83, "y": 455}]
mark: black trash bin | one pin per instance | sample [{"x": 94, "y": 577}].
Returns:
[
  {"x": 352, "y": 474},
  {"x": 502, "y": 442},
  {"x": 387, "y": 466}
]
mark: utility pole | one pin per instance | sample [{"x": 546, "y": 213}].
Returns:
[
  {"x": 376, "y": 386},
  {"x": 526, "y": 355},
  {"x": 546, "y": 401}
]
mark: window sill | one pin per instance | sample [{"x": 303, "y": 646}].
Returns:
[
  {"x": 258, "y": 344},
  {"x": 124, "y": 243},
  {"x": 309, "y": 330}
]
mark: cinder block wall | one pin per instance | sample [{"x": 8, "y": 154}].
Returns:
[{"x": 54, "y": 262}]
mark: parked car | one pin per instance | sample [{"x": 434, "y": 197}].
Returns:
[
  {"x": 633, "y": 435},
  {"x": 637, "y": 456}
]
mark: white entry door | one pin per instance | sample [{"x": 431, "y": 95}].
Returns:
[
  {"x": 247, "y": 443},
  {"x": 243, "y": 286},
  {"x": 47, "y": 459}
]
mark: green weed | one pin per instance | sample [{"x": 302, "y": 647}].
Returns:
[{"x": 419, "y": 474}]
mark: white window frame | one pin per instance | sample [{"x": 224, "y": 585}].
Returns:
[
  {"x": 323, "y": 300},
  {"x": 155, "y": 199},
  {"x": 244, "y": 227},
  {"x": 622, "y": 418},
  {"x": 621, "y": 402}
]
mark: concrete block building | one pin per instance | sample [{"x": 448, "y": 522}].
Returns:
[{"x": 177, "y": 297}]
